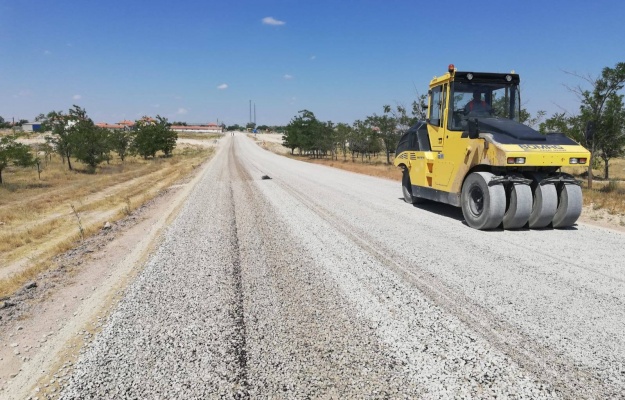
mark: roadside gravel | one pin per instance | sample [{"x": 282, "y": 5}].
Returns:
[{"x": 318, "y": 283}]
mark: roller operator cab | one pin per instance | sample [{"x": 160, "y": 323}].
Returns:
[{"x": 472, "y": 152}]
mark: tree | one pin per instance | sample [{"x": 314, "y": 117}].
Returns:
[
  {"x": 593, "y": 110},
  {"x": 14, "y": 153},
  {"x": 91, "y": 143},
  {"x": 364, "y": 140},
  {"x": 166, "y": 137},
  {"x": 4, "y": 124},
  {"x": 612, "y": 127},
  {"x": 343, "y": 133},
  {"x": 386, "y": 125},
  {"x": 299, "y": 131},
  {"x": 120, "y": 141},
  {"x": 61, "y": 139},
  {"x": 151, "y": 136},
  {"x": 235, "y": 127}
]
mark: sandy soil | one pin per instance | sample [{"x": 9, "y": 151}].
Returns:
[{"x": 43, "y": 327}]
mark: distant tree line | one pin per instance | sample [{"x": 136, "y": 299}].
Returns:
[
  {"x": 251, "y": 126},
  {"x": 364, "y": 138},
  {"x": 6, "y": 124},
  {"x": 73, "y": 135}
]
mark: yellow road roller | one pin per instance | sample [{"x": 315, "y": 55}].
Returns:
[{"x": 473, "y": 152}]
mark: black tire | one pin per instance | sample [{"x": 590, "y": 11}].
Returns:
[
  {"x": 483, "y": 206},
  {"x": 406, "y": 187},
  {"x": 569, "y": 206}
]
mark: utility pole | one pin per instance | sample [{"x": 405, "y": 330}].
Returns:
[
  {"x": 250, "y": 111},
  {"x": 254, "y": 115}
]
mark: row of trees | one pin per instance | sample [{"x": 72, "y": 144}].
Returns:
[
  {"x": 372, "y": 135},
  {"x": 599, "y": 125},
  {"x": 6, "y": 124},
  {"x": 73, "y": 135}
]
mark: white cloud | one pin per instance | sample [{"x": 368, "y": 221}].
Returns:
[
  {"x": 222, "y": 86},
  {"x": 272, "y": 21},
  {"x": 47, "y": 52},
  {"x": 313, "y": 57},
  {"x": 76, "y": 97},
  {"x": 182, "y": 111},
  {"x": 288, "y": 77}
]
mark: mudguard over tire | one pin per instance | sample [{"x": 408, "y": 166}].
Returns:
[
  {"x": 483, "y": 206},
  {"x": 519, "y": 206},
  {"x": 545, "y": 203},
  {"x": 569, "y": 205}
]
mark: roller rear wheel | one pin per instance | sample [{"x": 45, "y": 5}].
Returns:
[
  {"x": 569, "y": 206},
  {"x": 406, "y": 187},
  {"x": 545, "y": 203},
  {"x": 519, "y": 206}
]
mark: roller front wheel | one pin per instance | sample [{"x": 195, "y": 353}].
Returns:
[{"x": 483, "y": 206}]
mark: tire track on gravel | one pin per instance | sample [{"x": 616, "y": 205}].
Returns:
[
  {"x": 237, "y": 312},
  {"x": 304, "y": 342},
  {"x": 570, "y": 379}
]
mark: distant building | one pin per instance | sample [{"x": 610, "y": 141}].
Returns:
[
  {"x": 208, "y": 128},
  {"x": 31, "y": 126},
  {"x": 127, "y": 123},
  {"x": 110, "y": 126}
]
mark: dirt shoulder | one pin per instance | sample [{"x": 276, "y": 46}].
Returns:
[{"x": 43, "y": 326}]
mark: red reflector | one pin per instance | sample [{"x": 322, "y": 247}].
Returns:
[
  {"x": 582, "y": 161},
  {"x": 511, "y": 160}
]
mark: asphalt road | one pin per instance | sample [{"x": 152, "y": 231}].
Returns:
[{"x": 319, "y": 283}]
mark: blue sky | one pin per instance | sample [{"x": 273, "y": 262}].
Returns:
[{"x": 203, "y": 61}]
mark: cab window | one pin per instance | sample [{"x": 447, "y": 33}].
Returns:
[{"x": 435, "y": 106}]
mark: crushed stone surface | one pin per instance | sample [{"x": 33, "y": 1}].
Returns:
[{"x": 319, "y": 283}]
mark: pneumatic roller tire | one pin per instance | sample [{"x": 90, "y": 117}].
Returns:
[
  {"x": 483, "y": 206},
  {"x": 406, "y": 187},
  {"x": 519, "y": 206},
  {"x": 544, "y": 205},
  {"x": 569, "y": 206}
]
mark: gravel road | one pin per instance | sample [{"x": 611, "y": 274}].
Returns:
[{"x": 319, "y": 283}]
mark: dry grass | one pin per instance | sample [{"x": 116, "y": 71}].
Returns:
[{"x": 36, "y": 217}]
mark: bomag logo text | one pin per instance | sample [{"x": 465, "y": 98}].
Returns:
[{"x": 541, "y": 147}]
